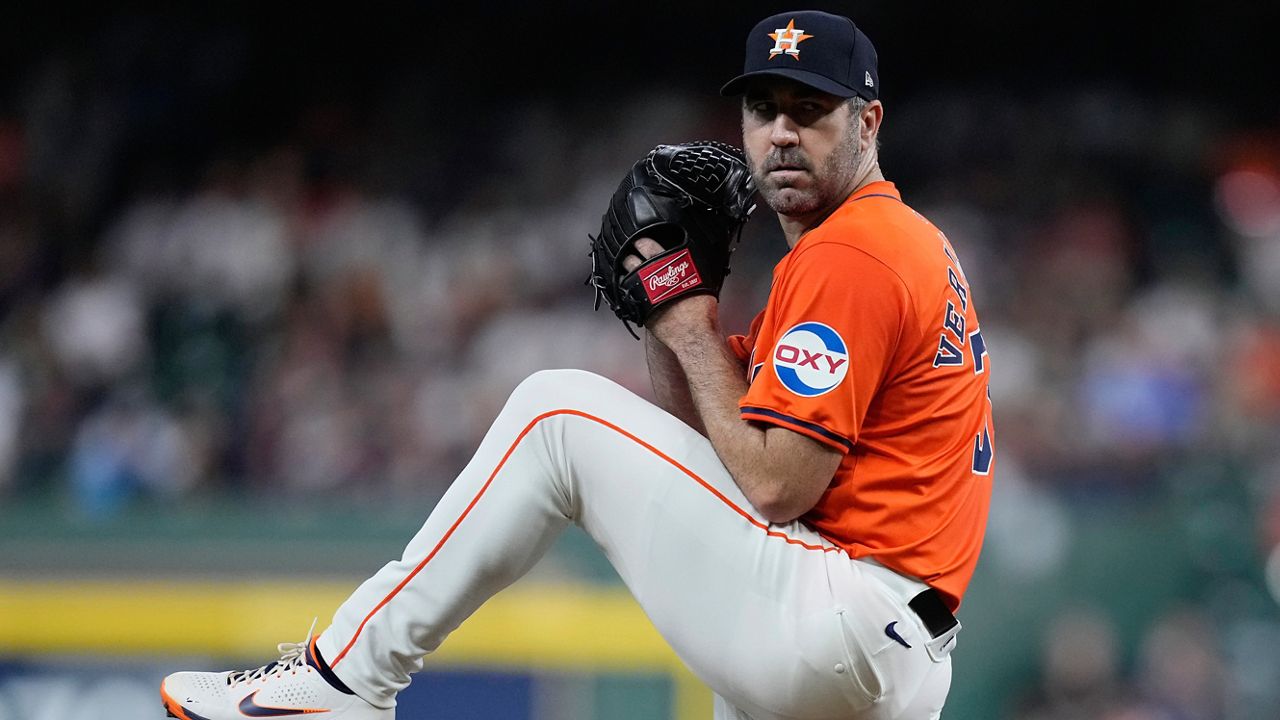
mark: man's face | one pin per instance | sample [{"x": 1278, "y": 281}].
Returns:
[{"x": 802, "y": 144}]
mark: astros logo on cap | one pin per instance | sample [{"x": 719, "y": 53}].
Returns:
[
  {"x": 787, "y": 40},
  {"x": 811, "y": 359}
]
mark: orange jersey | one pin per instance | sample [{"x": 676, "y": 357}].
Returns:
[{"x": 870, "y": 344}]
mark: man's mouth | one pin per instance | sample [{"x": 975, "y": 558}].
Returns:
[{"x": 787, "y": 167}]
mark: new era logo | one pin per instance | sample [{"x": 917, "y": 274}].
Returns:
[{"x": 869, "y": 81}]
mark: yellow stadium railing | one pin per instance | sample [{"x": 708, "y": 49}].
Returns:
[{"x": 565, "y": 627}]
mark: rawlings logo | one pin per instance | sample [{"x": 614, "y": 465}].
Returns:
[{"x": 667, "y": 279}]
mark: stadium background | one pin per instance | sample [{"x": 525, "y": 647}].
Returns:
[{"x": 267, "y": 273}]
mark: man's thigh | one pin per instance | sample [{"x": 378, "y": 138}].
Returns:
[{"x": 749, "y": 606}]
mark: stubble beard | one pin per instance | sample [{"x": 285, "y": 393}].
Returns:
[{"x": 827, "y": 184}]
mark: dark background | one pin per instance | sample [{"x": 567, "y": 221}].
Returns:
[{"x": 239, "y": 78}]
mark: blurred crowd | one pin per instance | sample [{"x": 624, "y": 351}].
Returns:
[
  {"x": 341, "y": 305},
  {"x": 277, "y": 325},
  {"x": 1179, "y": 675}
]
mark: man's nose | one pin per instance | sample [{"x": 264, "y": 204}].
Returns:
[{"x": 784, "y": 131}]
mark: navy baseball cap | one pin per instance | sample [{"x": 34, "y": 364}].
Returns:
[{"x": 819, "y": 49}]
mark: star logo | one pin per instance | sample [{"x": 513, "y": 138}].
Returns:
[{"x": 786, "y": 41}]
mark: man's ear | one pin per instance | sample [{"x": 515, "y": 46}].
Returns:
[{"x": 870, "y": 118}]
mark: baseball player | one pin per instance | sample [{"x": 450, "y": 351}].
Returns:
[{"x": 800, "y": 514}]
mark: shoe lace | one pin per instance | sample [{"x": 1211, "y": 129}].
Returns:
[{"x": 292, "y": 657}]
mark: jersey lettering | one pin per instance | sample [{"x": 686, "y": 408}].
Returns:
[
  {"x": 948, "y": 354},
  {"x": 951, "y": 255},
  {"x": 950, "y": 351},
  {"x": 959, "y": 287},
  {"x": 954, "y": 322},
  {"x": 978, "y": 347},
  {"x": 983, "y": 453}
]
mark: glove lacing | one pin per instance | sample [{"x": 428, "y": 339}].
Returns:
[{"x": 598, "y": 285}]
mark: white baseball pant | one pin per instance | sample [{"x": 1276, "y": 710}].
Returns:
[{"x": 779, "y": 623}]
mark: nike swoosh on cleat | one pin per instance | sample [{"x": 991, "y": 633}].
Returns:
[
  {"x": 251, "y": 708},
  {"x": 893, "y": 634}
]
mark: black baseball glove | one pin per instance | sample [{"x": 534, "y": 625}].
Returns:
[{"x": 692, "y": 199}]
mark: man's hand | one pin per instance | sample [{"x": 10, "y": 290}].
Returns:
[
  {"x": 694, "y": 198},
  {"x": 683, "y": 320}
]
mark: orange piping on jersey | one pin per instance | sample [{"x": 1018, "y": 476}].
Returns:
[{"x": 527, "y": 429}]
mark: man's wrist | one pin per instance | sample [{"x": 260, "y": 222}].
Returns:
[
  {"x": 695, "y": 325},
  {"x": 683, "y": 343}
]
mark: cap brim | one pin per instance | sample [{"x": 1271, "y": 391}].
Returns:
[{"x": 737, "y": 85}]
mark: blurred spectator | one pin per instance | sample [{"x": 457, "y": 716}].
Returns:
[
  {"x": 222, "y": 248},
  {"x": 11, "y": 412},
  {"x": 1181, "y": 670},
  {"x": 1248, "y": 200},
  {"x": 1181, "y": 674},
  {"x": 125, "y": 447},
  {"x": 1029, "y": 536},
  {"x": 1080, "y": 671},
  {"x": 94, "y": 326}
]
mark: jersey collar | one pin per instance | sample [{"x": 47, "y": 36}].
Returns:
[
  {"x": 883, "y": 188},
  {"x": 878, "y": 188}
]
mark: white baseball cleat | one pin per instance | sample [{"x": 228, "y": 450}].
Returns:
[{"x": 294, "y": 685}]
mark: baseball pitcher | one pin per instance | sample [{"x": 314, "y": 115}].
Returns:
[{"x": 800, "y": 514}]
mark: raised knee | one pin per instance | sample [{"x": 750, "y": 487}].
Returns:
[
  {"x": 544, "y": 380},
  {"x": 547, "y": 388}
]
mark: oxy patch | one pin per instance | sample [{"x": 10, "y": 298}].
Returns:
[{"x": 811, "y": 359}]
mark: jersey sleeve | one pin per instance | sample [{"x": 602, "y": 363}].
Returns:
[
  {"x": 742, "y": 345},
  {"x": 838, "y": 320}
]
